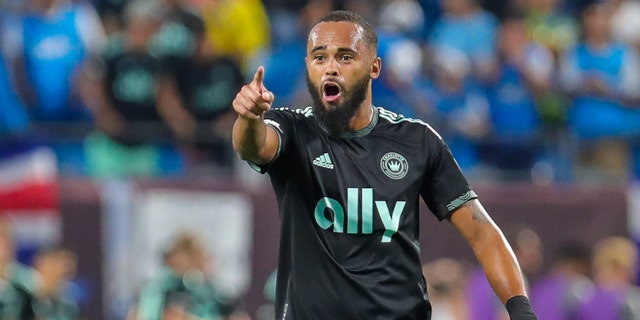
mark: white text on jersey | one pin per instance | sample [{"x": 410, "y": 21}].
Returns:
[{"x": 390, "y": 220}]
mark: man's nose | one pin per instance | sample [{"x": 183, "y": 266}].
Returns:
[{"x": 333, "y": 68}]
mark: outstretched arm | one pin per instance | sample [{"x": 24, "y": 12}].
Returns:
[
  {"x": 496, "y": 257},
  {"x": 252, "y": 139}
]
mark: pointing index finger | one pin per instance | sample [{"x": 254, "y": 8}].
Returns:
[{"x": 259, "y": 77}]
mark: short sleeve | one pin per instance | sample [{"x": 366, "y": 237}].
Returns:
[
  {"x": 444, "y": 188},
  {"x": 281, "y": 122}
]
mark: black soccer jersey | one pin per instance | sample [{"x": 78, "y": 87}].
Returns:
[{"x": 350, "y": 214}]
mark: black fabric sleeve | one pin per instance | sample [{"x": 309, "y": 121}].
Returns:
[
  {"x": 519, "y": 308},
  {"x": 444, "y": 188},
  {"x": 280, "y": 121}
]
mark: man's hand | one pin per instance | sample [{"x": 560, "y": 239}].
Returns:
[
  {"x": 254, "y": 98},
  {"x": 252, "y": 139}
]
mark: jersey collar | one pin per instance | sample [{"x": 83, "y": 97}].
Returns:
[{"x": 364, "y": 131}]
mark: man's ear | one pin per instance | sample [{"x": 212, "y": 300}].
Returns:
[{"x": 374, "y": 73}]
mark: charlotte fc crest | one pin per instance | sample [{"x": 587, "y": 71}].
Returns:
[{"x": 394, "y": 165}]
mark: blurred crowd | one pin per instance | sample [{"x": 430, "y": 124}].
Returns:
[
  {"x": 580, "y": 283},
  {"x": 577, "y": 283},
  {"x": 542, "y": 90},
  {"x": 44, "y": 286}
]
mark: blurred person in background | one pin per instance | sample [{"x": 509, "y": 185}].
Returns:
[
  {"x": 602, "y": 77},
  {"x": 112, "y": 14},
  {"x": 121, "y": 90},
  {"x": 460, "y": 109},
  {"x": 195, "y": 92},
  {"x": 184, "y": 287},
  {"x": 625, "y": 22},
  {"x": 522, "y": 76},
  {"x": 557, "y": 294},
  {"x": 47, "y": 46},
  {"x": 16, "y": 279},
  {"x": 461, "y": 52},
  {"x": 614, "y": 266},
  {"x": 446, "y": 279},
  {"x": 465, "y": 26},
  {"x": 179, "y": 35},
  {"x": 14, "y": 120},
  {"x": 51, "y": 297},
  {"x": 549, "y": 26},
  {"x": 625, "y": 25},
  {"x": 399, "y": 89}
]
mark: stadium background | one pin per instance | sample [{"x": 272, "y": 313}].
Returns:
[{"x": 64, "y": 178}]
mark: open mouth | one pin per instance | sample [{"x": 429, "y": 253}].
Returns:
[{"x": 330, "y": 91}]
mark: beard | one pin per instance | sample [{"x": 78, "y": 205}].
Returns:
[{"x": 336, "y": 117}]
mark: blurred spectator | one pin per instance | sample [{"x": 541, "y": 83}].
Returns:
[
  {"x": 522, "y": 77},
  {"x": 47, "y": 47},
  {"x": 112, "y": 14},
  {"x": 196, "y": 102},
  {"x": 177, "y": 39},
  {"x": 46, "y": 43},
  {"x": 467, "y": 27},
  {"x": 404, "y": 17},
  {"x": 527, "y": 246},
  {"x": 614, "y": 265},
  {"x": 398, "y": 88},
  {"x": 445, "y": 284},
  {"x": 432, "y": 11},
  {"x": 625, "y": 22},
  {"x": 237, "y": 28},
  {"x": 121, "y": 90},
  {"x": 549, "y": 26},
  {"x": 14, "y": 119},
  {"x": 460, "y": 106},
  {"x": 51, "y": 300},
  {"x": 625, "y": 25},
  {"x": 557, "y": 295},
  {"x": 184, "y": 287},
  {"x": 16, "y": 279},
  {"x": 13, "y": 116},
  {"x": 196, "y": 89},
  {"x": 602, "y": 77}
]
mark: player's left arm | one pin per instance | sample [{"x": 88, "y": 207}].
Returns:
[{"x": 496, "y": 257}]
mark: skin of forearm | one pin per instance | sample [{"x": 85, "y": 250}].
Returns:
[
  {"x": 249, "y": 138},
  {"x": 499, "y": 263}
]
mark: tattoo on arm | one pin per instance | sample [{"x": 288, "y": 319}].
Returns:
[{"x": 478, "y": 212}]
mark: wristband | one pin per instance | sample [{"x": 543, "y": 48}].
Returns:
[{"x": 519, "y": 308}]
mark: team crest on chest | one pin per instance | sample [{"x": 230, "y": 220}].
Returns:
[{"x": 394, "y": 165}]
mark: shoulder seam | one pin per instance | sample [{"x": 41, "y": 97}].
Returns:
[{"x": 398, "y": 118}]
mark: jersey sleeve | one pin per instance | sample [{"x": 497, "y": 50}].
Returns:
[
  {"x": 281, "y": 121},
  {"x": 445, "y": 188}
]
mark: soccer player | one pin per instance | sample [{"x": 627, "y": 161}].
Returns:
[{"x": 348, "y": 177}]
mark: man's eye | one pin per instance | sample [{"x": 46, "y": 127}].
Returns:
[
  {"x": 319, "y": 58},
  {"x": 347, "y": 58}
]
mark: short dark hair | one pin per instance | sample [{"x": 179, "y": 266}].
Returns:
[{"x": 370, "y": 36}]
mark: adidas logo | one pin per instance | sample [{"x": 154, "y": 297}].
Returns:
[{"x": 323, "y": 161}]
